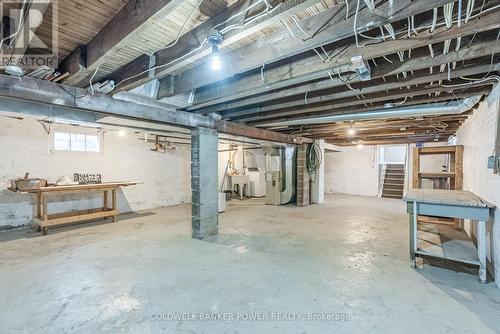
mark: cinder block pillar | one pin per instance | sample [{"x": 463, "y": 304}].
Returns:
[
  {"x": 318, "y": 184},
  {"x": 302, "y": 177},
  {"x": 204, "y": 157}
]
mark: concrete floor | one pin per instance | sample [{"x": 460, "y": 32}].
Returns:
[{"x": 347, "y": 256}]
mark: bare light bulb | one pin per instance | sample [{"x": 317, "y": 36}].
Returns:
[
  {"x": 216, "y": 62},
  {"x": 121, "y": 133},
  {"x": 360, "y": 146},
  {"x": 351, "y": 132}
]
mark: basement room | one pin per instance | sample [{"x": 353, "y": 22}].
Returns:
[{"x": 250, "y": 166}]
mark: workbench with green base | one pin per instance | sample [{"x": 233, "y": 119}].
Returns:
[{"x": 449, "y": 204}]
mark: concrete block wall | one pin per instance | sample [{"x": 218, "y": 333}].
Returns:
[
  {"x": 303, "y": 191},
  {"x": 25, "y": 147},
  {"x": 353, "y": 171},
  {"x": 204, "y": 183}
]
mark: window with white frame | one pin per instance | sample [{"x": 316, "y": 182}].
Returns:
[{"x": 76, "y": 142}]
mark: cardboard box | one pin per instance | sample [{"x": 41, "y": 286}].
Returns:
[{"x": 24, "y": 184}]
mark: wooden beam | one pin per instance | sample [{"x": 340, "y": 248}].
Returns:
[
  {"x": 23, "y": 41},
  {"x": 356, "y": 109},
  {"x": 131, "y": 75},
  {"x": 418, "y": 63},
  {"x": 332, "y": 27},
  {"x": 47, "y": 92},
  {"x": 419, "y": 79},
  {"x": 257, "y": 133},
  {"x": 74, "y": 98},
  {"x": 312, "y": 68},
  {"x": 398, "y": 94},
  {"x": 134, "y": 17}
]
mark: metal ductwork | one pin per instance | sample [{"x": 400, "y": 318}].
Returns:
[
  {"x": 143, "y": 100},
  {"x": 281, "y": 175},
  {"x": 288, "y": 157},
  {"x": 445, "y": 108}
]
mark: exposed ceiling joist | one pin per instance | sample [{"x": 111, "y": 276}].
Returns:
[
  {"x": 25, "y": 36},
  {"x": 296, "y": 95},
  {"x": 398, "y": 94},
  {"x": 313, "y": 68},
  {"x": 326, "y": 27},
  {"x": 326, "y": 101},
  {"x": 136, "y": 72},
  {"x": 133, "y": 18},
  {"x": 46, "y": 92}
]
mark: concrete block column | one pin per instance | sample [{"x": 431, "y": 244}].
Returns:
[
  {"x": 302, "y": 176},
  {"x": 204, "y": 170}
]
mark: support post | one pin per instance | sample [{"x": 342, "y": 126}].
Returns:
[
  {"x": 204, "y": 176},
  {"x": 302, "y": 176}
]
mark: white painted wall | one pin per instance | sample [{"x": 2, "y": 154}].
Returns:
[
  {"x": 254, "y": 158},
  {"x": 478, "y": 135},
  {"x": 24, "y": 147},
  {"x": 392, "y": 154},
  {"x": 353, "y": 171}
]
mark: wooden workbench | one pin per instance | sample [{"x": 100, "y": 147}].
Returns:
[
  {"x": 450, "y": 204},
  {"x": 46, "y": 220}
]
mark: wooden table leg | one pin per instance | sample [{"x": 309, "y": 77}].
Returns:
[
  {"x": 481, "y": 250},
  {"x": 44, "y": 207},
  {"x": 39, "y": 205},
  {"x": 105, "y": 201},
  {"x": 113, "y": 194},
  {"x": 44, "y": 213}
]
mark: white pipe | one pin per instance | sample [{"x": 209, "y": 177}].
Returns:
[{"x": 444, "y": 108}]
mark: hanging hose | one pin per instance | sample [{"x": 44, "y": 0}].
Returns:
[{"x": 313, "y": 160}]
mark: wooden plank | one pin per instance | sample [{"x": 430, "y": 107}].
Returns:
[
  {"x": 98, "y": 186},
  {"x": 22, "y": 43},
  {"x": 134, "y": 17},
  {"x": 75, "y": 218},
  {"x": 416, "y": 168},
  {"x": 190, "y": 41},
  {"x": 437, "y": 150},
  {"x": 257, "y": 133},
  {"x": 459, "y": 173},
  {"x": 49, "y": 93},
  {"x": 351, "y": 103},
  {"x": 105, "y": 200},
  {"x": 439, "y": 175},
  {"x": 446, "y": 197},
  {"x": 113, "y": 203},
  {"x": 318, "y": 102},
  {"x": 281, "y": 45},
  {"x": 312, "y": 68}
]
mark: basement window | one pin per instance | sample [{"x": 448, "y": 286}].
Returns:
[{"x": 76, "y": 142}]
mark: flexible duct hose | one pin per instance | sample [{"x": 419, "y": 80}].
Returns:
[{"x": 313, "y": 160}]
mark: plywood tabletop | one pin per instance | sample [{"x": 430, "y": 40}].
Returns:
[
  {"x": 448, "y": 197},
  {"x": 84, "y": 186}
]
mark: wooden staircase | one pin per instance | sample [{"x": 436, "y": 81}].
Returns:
[{"x": 394, "y": 181}]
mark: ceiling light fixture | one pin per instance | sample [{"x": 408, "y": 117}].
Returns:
[{"x": 215, "y": 38}]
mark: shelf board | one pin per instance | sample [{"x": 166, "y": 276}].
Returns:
[{"x": 440, "y": 175}]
